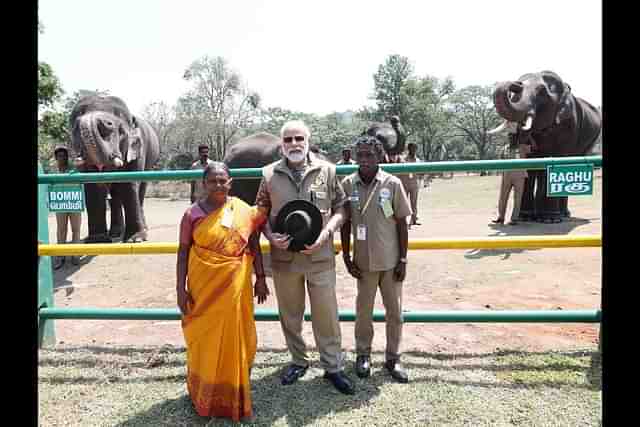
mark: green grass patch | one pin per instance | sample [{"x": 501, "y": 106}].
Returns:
[{"x": 145, "y": 386}]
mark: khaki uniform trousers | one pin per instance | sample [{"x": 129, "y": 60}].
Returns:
[
  {"x": 391, "y": 299},
  {"x": 62, "y": 219},
  {"x": 290, "y": 293},
  {"x": 515, "y": 180},
  {"x": 412, "y": 192}
]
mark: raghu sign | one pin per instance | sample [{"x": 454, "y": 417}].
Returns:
[
  {"x": 66, "y": 198},
  {"x": 570, "y": 180}
]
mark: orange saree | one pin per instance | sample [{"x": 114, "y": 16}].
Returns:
[{"x": 219, "y": 329}]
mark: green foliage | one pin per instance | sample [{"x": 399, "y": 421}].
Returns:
[
  {"x": 217, "y": 107},
  {"x": 475, "y": 115},
  {"x": 49, "y": 88},
  {"x": 389, "y": 82}
]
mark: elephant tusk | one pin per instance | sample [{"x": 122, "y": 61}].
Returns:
[
  {"x": 500, "y": 128},
  {"x": 117, "y": 162},
  {"x": 528, "y": 123}
]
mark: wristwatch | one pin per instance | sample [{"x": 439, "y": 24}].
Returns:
[{"x": 403, "y": 260}]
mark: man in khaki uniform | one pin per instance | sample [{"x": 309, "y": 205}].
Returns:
[
  {"x": 377, "y": 212},
  {"x": 201, "y": 163},
  {"x": 346, "y": 157},
  {"x": 512, "y": 179},
  {"x": 301, "y": 175},
  {"x": 411, "y": 182}
]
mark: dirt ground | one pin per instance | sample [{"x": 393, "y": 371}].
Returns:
[{"x": 506, "y": 279}]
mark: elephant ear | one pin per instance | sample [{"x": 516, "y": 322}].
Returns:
[
  {"x": 134, "y": 142},
  {"x": 565, "y": 105}
]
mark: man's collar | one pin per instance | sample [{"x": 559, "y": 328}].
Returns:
[{"x": 378, "y": 176}]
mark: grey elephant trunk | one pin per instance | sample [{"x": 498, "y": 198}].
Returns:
[
  {"x": 90, "y": 149},
  {"x": 510, "y": 103},
  {"x": 100, "y": 138}
]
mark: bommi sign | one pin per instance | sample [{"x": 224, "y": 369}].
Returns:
[
  {"x": 65, "y": 198},
  {"x": 570, "y": 180}
]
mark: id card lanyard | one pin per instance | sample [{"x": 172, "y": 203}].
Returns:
[{"x": 361, "y": 229}]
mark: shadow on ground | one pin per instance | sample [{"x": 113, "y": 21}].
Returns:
[{"x": 525, "y": 229}]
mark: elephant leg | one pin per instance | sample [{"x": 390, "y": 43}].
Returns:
[
  {"x": 117, "y": 220},
  {"x": 564, "y": 207},
  {"x": 134, "y": 228},
  {"x": 541, "y": 209},
  {"x": 142, "y": 190},
  {"x": 96, "y": 195},
  {"x": 527, "y": 204},
  {"x": 549, "y": 206}
]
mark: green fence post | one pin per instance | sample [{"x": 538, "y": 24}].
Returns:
[{"x": 46, "y": 332}]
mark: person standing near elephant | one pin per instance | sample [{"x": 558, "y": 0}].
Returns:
[
  {"x": 377, "y": 213},
  {"x": 301, "y": 175},
  {"x": 411, "y": 182},
  {"x": 61, "y": 154},
  {"x": 346, "y": 157},
  {"x": 197, "y": 189},
  {"x": 512, "y": 179},
  {"x": 218, "y": 244}
]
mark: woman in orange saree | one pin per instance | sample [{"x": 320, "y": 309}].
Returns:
[{"x": 218, "y": 246}]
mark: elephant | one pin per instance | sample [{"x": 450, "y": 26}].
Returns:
[
  {"x": 108, "y": 138},
  {"x": 392, "y": 136},
  {"x": 253, "y": 151},
  {"x": 539, "y": 109}
]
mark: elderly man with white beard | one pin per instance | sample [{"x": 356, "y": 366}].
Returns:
[{"x": 300, "y": 175}]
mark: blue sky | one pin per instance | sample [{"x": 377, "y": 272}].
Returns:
[{"x": 319, "y": 56}]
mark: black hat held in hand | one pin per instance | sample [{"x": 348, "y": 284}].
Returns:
[{"x": 301, "y": 220}]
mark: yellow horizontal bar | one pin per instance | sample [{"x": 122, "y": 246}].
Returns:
[{"x": 419, "y": 244}]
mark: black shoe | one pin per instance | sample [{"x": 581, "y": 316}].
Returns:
[
  {"x": 341, "y": 382},
  {"x": 497, "y": 221},
  {"x": 396, "y": 371},
  {"x": 363, "y": 366},
  {"x": 293, "y": 373}
]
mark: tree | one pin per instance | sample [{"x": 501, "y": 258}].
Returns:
[
  {"x": 162, "y": 119},
  {"x": 389, "y": 82},
  {"x": 429, "y": 115},
  {"x": 474, "y": 116},
  {"x": 219, "y": 104},
  {"x": 50, "y": 127}
]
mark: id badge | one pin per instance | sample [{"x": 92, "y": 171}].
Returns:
[
  {"x": 361, "y": 232},
  {"x": 227, "y": 218},
  {"x": 386, "y": 208}
]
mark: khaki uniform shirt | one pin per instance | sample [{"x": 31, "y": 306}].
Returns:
[
  {"x": 381, "y": 249},
  {"x": 515, "y": 153},
  {"x": 198, "y": 187},
  {"x": 411, "y": 180},
  {"x": 320, "y": 186},
  {"x": 342, "y": 162}
]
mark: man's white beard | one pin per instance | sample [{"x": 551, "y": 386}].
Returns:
[{"x": 296, "y": 156}]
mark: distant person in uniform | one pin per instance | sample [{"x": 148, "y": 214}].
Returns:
[
  {"x": 61, "y": 154},
  {"x": 376, "y": 212},
  {"x": 512, "y": 179},
  {"x": 197, "y": 188},
  {"x": 346, "y": 157},
  {"x": 412, "y": 183}
]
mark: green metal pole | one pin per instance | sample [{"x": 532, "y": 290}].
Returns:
[
  {"x": 445, "y": 316},
  {"x": 398, "y": 168},
  {"x": 46, "y": 331}
]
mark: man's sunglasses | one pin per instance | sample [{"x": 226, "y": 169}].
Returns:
[{"x": 289, "y": 139}]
